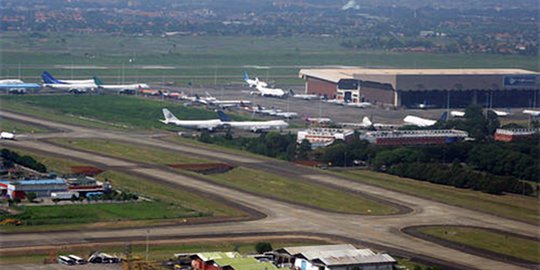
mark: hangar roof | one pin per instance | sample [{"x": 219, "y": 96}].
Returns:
[{"x": 335, "y": 75}]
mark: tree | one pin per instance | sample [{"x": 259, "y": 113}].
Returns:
[
  {"x": 303, "y": 150},
  {"x": 31, "y": 196},
  {"x": 263, "y": 247}
]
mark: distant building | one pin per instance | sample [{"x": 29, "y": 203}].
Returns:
[
  {"x": 227, "y": 261},
  {"x": 41, "y": 187},
  {"x": 510, "y": 135},
  {"x": 322, "y": 137},
  {"x": 333, "y": 257},
  {"x": 414, "y": 137},
  {"x": 456, "y": 88},
  {"x": 87, "y": 184}
]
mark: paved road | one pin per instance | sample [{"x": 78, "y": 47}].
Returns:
[{"x": 282, "y": 217}]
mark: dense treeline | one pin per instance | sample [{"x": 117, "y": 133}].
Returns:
[
  {"x": 11, "y": 158},
  {"x": 461, "y": 177},
  {"x": 272, "y": 144}
]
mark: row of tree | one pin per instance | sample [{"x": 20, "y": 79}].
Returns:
[
  {"x": 461, "y": 177},
  {"x": 10, "y": 158}
]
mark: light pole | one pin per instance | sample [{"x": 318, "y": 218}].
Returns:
[{"x": 147, "y": 239}]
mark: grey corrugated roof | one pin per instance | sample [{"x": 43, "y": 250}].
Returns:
[
  {"x": 303, "y": 249},
  {"x": 353, "y": 260}
]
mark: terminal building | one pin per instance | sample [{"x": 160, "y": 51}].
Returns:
[
  {"x": 444, "y": 88},
  {"x": 414, "y": 137}
]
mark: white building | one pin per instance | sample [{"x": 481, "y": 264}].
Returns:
[
  {"x": 336, "y": 257},
  {"x": 322, "y": 137}
]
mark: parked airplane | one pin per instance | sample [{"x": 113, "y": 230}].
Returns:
[
  {"x": 209, "y": 125},
  {"x": 51, "y": 82},
  {"x": 457, "y": 114},
  {"x": 318, "y": 120},
  {"x": 269, "y": 92},
  {"x": 272, "y": 111},
  {"x": 16, "y": 86},
  {"x": 532, "y": 113},
  {"x": 7, "y": 135},
  {"x": 335, "y": 101},
  {"x": 367, "y": 123},
  {"x": 210, "y": 100},
  {"x": 253, "y": 83},
  {"x": 424, "y": 106},
  {"x": 500, "y": 113},
  {"x": 362, "y": 105},
  {"x": 48, "y": 78},
  {"x": 302, "y": 96},
  {"x": 423, "y": 122},
  {"x": 120, "y": 87},
  {"x": 254, "y": 126}
]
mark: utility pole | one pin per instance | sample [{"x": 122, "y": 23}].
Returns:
[{"x": 147, "y": 239}]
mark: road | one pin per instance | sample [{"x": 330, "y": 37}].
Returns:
[{"x": 383, "y": 232}]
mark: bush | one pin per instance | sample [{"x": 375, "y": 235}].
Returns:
[{"x": 263, "y": 247}]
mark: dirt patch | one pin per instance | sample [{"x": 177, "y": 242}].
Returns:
[
  {"x": 204, "y": 168},
  {"x": 86, "y": 170}
]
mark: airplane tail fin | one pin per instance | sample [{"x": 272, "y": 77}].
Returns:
[
  {"x": 443, "y": 117},
  {"x": 366, "y": 121},
  {"x": 246, "y": 76},
  {"x": 48, "y": 78},
  {"x": 97, "y": 81},
  {"x": 291, "y": 92},
  {"x": 223, "y": 117},
  {"x": 168, "y": 116}
]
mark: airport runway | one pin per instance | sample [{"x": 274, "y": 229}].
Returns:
[{"x": 382, "y": 232}]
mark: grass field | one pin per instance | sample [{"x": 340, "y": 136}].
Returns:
[
  {"x": 170, "y": 195},
  {"x": 160, "y": 252},
  {"x": 511, "y": 206},
  {"x": 103, "y": 111},
  {"x": 488, "y": 240},
  {"x": 296, "y": 191},
  {"x": 200, "y": 59},
  {"x": 18, "y": 127},
  {"x": 251, "y": 180},
  {"x": 123, "y": 150},
  {"x": 101, "y": 212}
]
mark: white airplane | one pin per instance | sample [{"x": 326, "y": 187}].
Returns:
[
  {"x": 500, "y": 113},
  {"x": 457, "y": 114},
  {"x": 269, "y": 92},
  {"x": 318, "y": 120},
  {"x": 16, "y": 86},
  {"x": 362, "y": 105},
  {"x": 532, "y": 113},
  {"x": 253, "y": 83},
  {"x": 423, "y": 122},
  {"x": 48, "y": 78},
  {"x": 120, "y": 87},
  {"x": 335, "y": 101},
  {"x": 72, "y": 88},
  {"x": 367, "y": 123},
  {"x": 271, "y": 111},
  {"x": 209, "y": 125},
  {"x": 287, "y": 115},
  {"x": 302, "y": 96},
  {"x": 254, "y": 126},
  {"x": 7, "y": 135},
  {"x": 81, "y": 86},
  {"x": 224, "y": 103}
]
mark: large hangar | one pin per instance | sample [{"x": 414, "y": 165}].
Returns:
[{"x": 454, "y": 88}]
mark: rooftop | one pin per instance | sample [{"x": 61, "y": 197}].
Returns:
[
  {"x": 56, "y": 181},
  {"x": 334, "y": 75}
]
